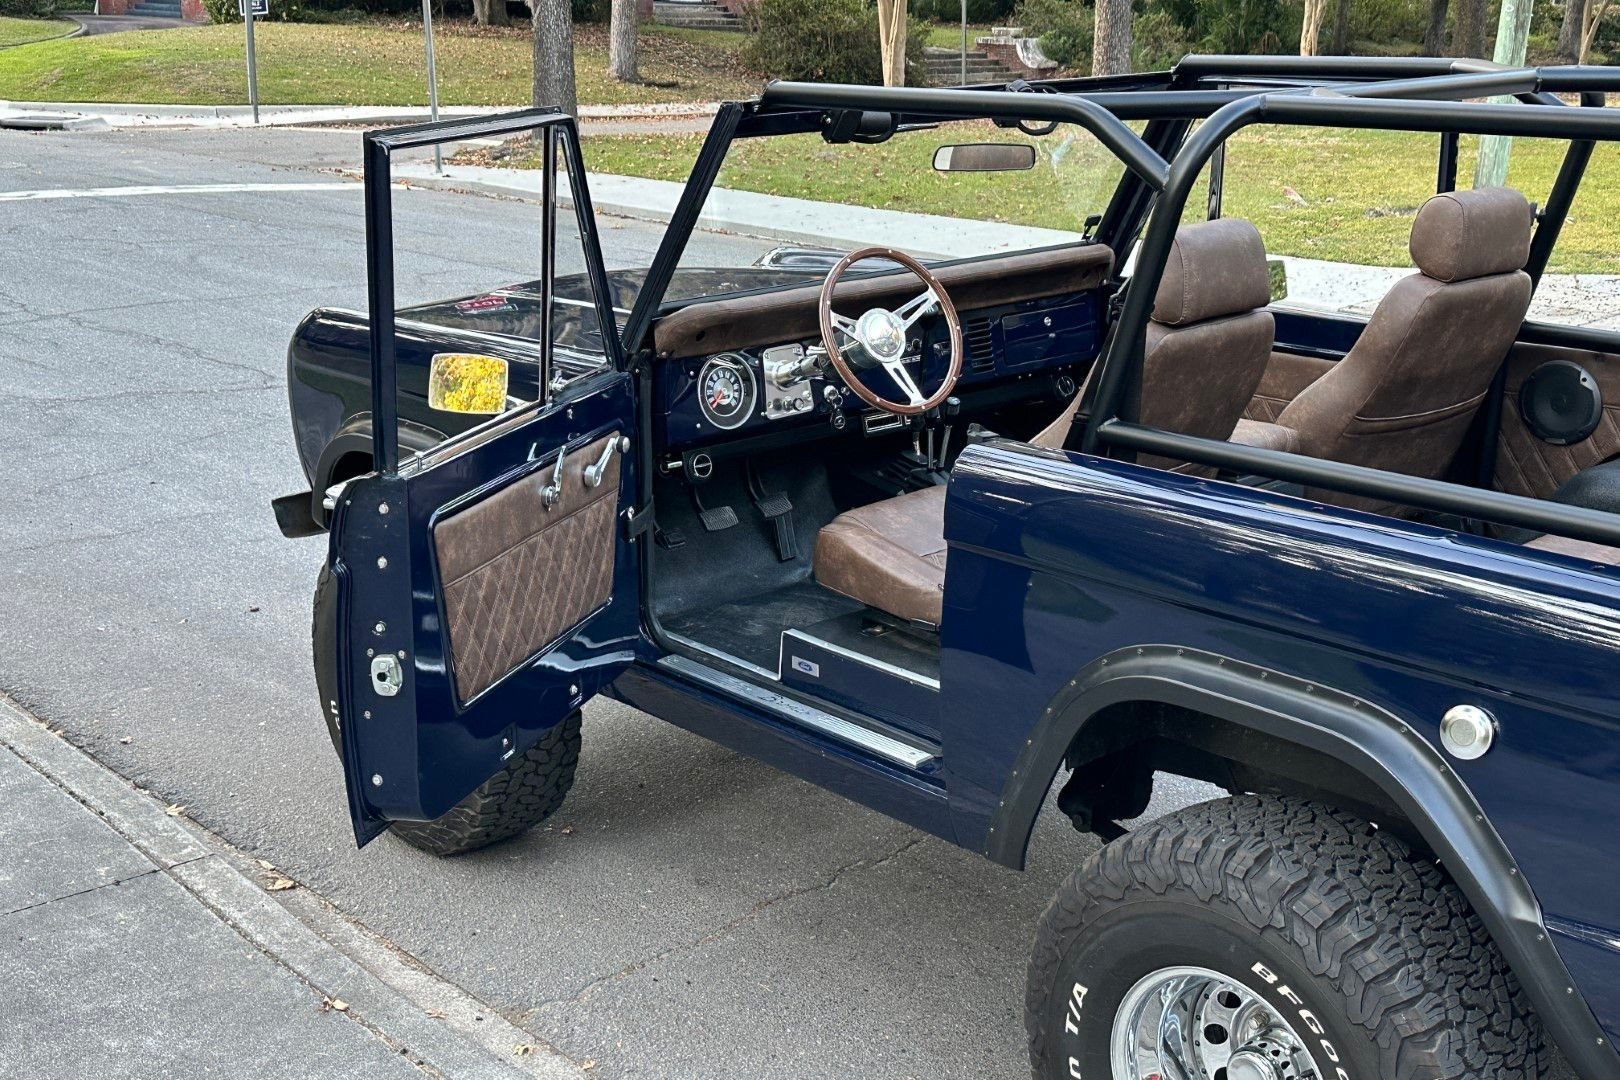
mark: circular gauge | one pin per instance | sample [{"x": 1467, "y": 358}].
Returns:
[{"x": 726, "y": 390}]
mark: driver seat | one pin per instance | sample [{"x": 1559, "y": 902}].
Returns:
[{"x": 1207, "y": 346}]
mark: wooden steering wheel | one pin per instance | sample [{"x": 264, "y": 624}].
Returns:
[{"x": 878, "y": 338}]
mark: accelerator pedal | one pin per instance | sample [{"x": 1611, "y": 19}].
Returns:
[{"x": 778, "y": 510}]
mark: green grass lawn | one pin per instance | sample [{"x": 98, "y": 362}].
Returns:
[
  {"x": 22, "y": 31},
  {"x": 1346, "y": 196},
  {"x": 948, "y": 35},
  {"x": 371, "y": 64}
]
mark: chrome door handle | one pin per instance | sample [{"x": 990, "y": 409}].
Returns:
[{"x": 595, "y": 472}]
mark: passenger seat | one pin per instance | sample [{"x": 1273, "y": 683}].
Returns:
[{"x": 1403, "y": 397}]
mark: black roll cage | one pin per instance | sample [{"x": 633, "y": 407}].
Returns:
[{"x": 1163, "y": 165}]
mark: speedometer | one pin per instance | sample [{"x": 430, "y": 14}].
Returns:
[{"x": 727, "y": 391}]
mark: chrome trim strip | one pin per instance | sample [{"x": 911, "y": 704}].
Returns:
[
  {"x": 860, "y": 658},
  {"x": 798, "y": 712},
  {"x": 721, "y": 654}
]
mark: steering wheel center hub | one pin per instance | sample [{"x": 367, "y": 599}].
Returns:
[{"x": 882, "y": 334}]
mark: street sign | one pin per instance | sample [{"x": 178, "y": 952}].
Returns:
[{"x": 261, "y": 8}]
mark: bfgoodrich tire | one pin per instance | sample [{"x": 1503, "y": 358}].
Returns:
[
  {"x": 514, "y": 800},
  {"x": 1266, "y": 938}
]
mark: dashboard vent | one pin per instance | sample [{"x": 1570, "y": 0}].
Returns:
[{"x": 981, "y": 355}]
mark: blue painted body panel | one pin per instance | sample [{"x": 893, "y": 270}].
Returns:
[{"x": 1056, "y": 559}]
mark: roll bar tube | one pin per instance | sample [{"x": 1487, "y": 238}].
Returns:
[{"x": 1110, "y": 130}]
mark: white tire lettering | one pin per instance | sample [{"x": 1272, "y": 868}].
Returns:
[
  {"x": 1265, "y": 973},
  {"x": 1071, "y": 1019},
  {"x": 1074, "y": 1069}
]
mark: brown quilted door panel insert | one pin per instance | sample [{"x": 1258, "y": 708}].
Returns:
[
  {"x": 518, "y": 575},
  {"x": 1527, "y": 466}
]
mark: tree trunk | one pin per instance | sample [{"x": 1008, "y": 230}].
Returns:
[
  {"x": 1468, "y": 28},
  {"x": 1434, "y": 40},
  {"x": 1341, "y": 29},
  {"x": 1569, "y": 30},
  {"x": 554, "y": 55},
  {"x": 622, "y": 41},
  {"x": 1310, "y": 27},
  {"x": 892, "y": 40},
  {"x": 1595, "y": 10},
  {"x": 1111, "y": 42},
  {"x": 491, "y": 13},
  {"x": 1512, "y": 41}
]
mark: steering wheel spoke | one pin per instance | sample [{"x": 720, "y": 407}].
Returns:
[
  {"x": 844, "y": 325},
  {"x": 880, "y": 336},
  {"x": 901, "y": 375},
  {"x": 924, "y": 303}
]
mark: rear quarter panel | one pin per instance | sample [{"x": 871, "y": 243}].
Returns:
[{"x": 1057, "y": 560}]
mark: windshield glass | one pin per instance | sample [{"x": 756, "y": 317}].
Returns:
[{"x": 785, "y": 207}]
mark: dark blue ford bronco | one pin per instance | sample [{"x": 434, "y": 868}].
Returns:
[{"x": 969, "y": 512}]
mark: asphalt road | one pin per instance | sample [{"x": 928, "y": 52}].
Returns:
[{"x": 690, "y": 913}]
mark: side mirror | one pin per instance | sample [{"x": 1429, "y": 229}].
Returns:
[
  {"x": 467, "y": 383},
  {"x": 985, "y": 157}
]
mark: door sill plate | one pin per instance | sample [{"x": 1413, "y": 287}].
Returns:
[{"x": 803, "y": 715}]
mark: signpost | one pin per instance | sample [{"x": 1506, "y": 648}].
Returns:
[
  {"x": 250, "y": 10},
  {"x": 433, "y": 81}
]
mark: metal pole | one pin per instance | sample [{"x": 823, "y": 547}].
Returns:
[
  {"x": 252, "y": 61},
  {"x": 964, "y": 42},
  {"x": 433, "y": 82}
]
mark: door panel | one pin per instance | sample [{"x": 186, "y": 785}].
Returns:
[
  {"x": 1525, "y": 465},
  {"x": 518, "y": 571},
  {"x": 483, "y": 588}
]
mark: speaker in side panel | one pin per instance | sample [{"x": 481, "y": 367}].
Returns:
[{"x": 1560, "y": 402}]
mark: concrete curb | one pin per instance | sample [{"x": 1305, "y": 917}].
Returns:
[
  {"x": 388, "y": 996},
  {"x": 124, "y": 114},
  {"x": 78, "y": 29}
]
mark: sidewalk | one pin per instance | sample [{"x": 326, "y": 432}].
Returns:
[{"x": 136, "y": 947}]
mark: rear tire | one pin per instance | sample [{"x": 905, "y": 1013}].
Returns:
[
  {"x": 1283, "y": 933},
  {"x": 522, "y": 795}
]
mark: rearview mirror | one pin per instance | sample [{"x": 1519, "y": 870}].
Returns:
[
  {"x": 985, "y": 157},
  {"x": 467, "y": 383}
]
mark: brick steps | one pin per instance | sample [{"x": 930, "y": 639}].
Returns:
[{"x": 944, "y": 67}]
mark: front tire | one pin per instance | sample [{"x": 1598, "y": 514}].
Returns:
[
  {"x": 522, "y": 795},
  {"x": 1269, "y": 938}
]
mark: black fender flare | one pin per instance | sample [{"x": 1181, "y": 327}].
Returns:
[
  {"x": 353, "y": 436},
  {"x": 1383, "y": 748}
]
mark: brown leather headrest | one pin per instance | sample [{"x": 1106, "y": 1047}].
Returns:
[
  {"x": 1469, "y": 234},
  {"x": 1215, "y": 268}
]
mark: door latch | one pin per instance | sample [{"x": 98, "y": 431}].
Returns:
[
  {"x": 597, "y": 470},
  {"x": 386, "y": 675}
]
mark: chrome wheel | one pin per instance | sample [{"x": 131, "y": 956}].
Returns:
[{"x": 1190, "y": 1023}]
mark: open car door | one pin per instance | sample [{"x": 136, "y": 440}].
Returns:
[{"x": 484, "y": 587}]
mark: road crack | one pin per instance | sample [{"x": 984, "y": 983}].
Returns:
[{"x": 585, "y": 993}]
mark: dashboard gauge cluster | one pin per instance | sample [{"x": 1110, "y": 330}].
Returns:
[{"x": 727, "y": 390}]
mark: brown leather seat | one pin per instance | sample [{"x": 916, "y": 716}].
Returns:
[
  {"x": 1402, "y": 399},
  {"x": 1206, "y": 348}
]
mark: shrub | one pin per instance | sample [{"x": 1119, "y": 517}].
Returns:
[
  {"x": 950, "y": 11},
  {"x": 219, "y": 11},
  {"x": 823, "y": 40},
  {"x": 29, "y": 9},
  {"x": 1157, "y": 41},
  {"x": 1065, "y": 28}
]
